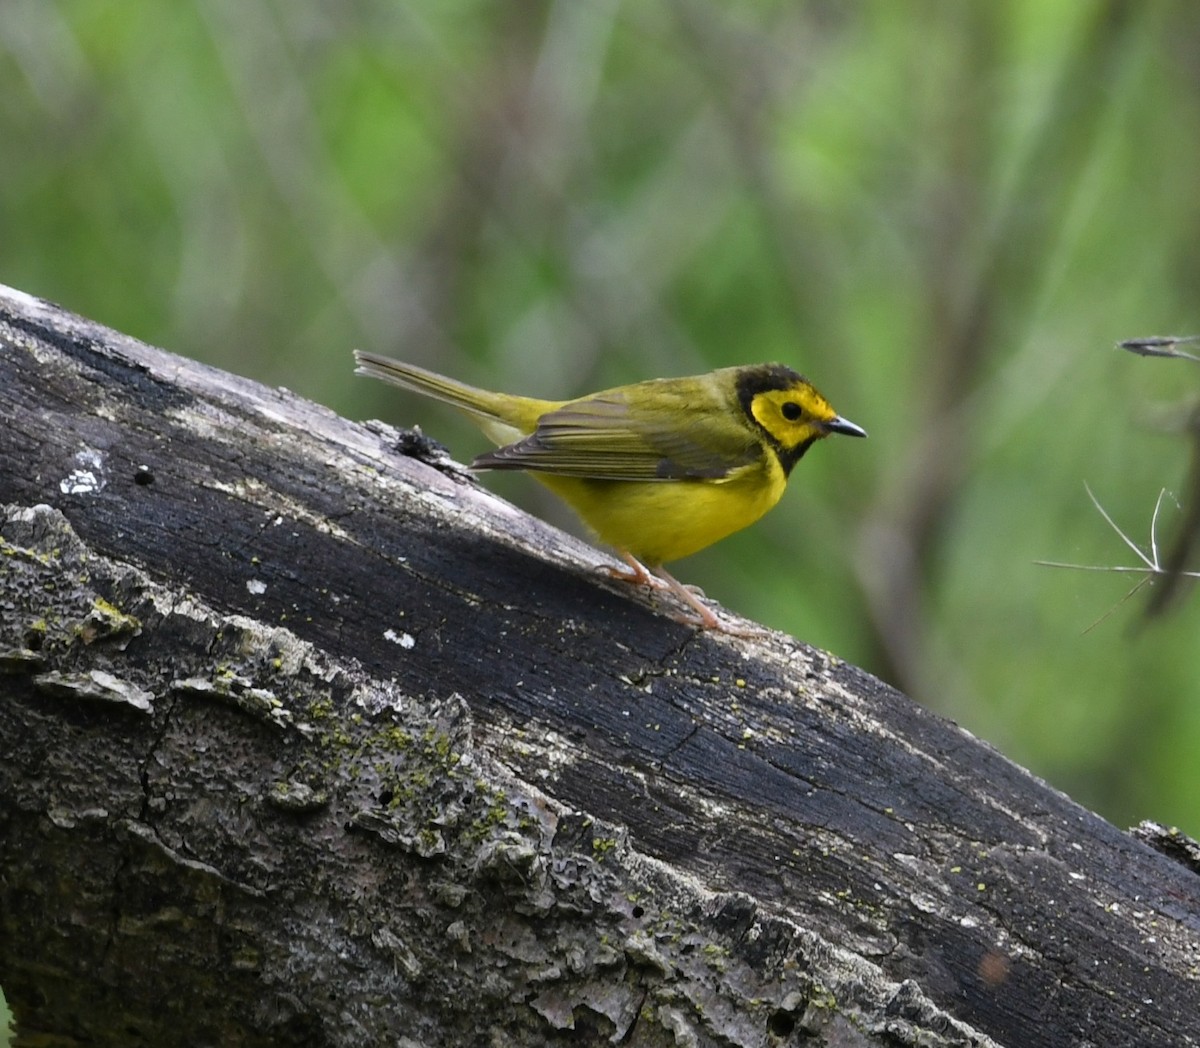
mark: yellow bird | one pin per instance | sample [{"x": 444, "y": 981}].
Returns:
[{"x": 659, "y": 469}]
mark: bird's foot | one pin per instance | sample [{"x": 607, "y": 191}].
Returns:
[{"x": 690, "y": 596}]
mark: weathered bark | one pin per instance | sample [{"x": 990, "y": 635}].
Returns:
[{"x": 305, "y": 739}]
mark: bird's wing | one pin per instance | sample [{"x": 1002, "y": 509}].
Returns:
[{"x": 601, "y": 438}]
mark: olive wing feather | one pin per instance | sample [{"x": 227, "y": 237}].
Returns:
[{"x": 604, "y": 437}]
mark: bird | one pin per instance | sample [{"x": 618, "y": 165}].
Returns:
[{"x": 657, "y": 469}]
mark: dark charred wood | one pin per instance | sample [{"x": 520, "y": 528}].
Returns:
[{"x": 306, "y": 739}]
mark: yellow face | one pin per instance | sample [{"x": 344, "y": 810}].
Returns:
[
  {"x": 793, "y": 416},
  {"x": 789, "y": 411}
]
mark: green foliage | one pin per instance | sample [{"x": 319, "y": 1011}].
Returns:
[{"x": 945, "y": 214}]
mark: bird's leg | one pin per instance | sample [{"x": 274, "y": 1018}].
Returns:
[
  {"x": 708, "y": 620},
  {"x": 660, "y": 579},
  {"x": 690, "y": 595},
  {"x": 638, "y": 574}
]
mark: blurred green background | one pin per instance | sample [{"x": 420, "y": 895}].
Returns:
[{"x": 946, "y": 214}]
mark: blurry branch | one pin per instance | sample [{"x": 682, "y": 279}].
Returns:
[
  {"x": 1161, "y": 346},
  {"x": 1151, "y": 566},
  {"x": 752, "y": 77},
  {"x": 267, "y": 78},
  {"x": 985, "y": 269},
  {"x": 1181, "y": 549},
  {"x": 1170, "y": 568},
  {"x": 1189, "y": 530}
]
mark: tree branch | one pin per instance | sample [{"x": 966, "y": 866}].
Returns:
[{"x": 305, "y": 739}]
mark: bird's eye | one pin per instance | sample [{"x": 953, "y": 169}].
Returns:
[{"x": 791, "y": 410}]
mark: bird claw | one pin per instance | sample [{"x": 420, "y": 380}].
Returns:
[
  {"x": 690, "y": 596},
  {"x": 637, "y": 575}
]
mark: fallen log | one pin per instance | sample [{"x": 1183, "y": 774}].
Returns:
[{"x": 305, "y": 738}]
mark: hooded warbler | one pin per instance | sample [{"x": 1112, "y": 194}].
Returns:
[{"x": 658, "y": 469}]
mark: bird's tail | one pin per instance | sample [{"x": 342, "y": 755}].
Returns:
[{"x": 502, "y": 417}]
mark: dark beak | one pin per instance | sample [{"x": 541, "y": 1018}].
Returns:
[{"x": 837, "y": 424}]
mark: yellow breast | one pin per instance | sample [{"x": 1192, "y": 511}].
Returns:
[{"x": 661, "y": 522}]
